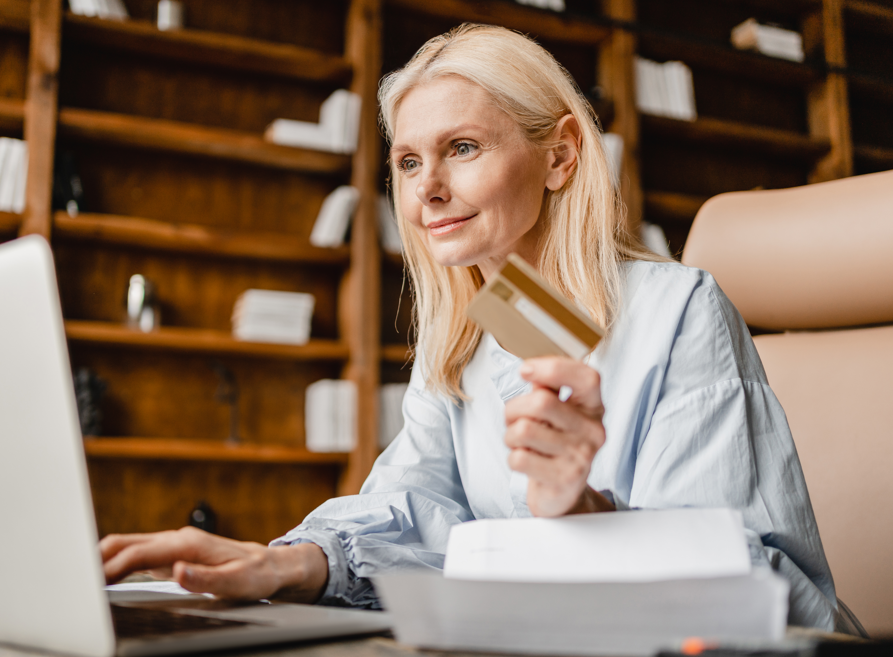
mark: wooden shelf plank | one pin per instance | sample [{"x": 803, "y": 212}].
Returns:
[
  {"x": 544, "y": 24},
  {"x": 12, "y": 113},
  {"x": 870, "y": 85},
  {"x": 173, "y": 136},
  {"x": 717, "y": 132},
  {"x": 869, "y": 15},
  {"x": 200, "y": 341},
  {"x": 396, "y": 353},
  {"x": 673, "y": 205},
  {"x": 878, "y": 156},
  {"x": 194, "y": 238},
  {"x": 9, "y": 222},
  {"x": 725, "y": 58},
  {"x": 206, "y": 450},
  {"x": 15, "y": 15},
  {"x": 209, "y": 48}
]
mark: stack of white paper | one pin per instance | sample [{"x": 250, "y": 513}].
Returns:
[
  {"x": 269, "y": 316},
  {"x": 13, "y": 174},
  {"x": 768, "y": 39},
  {"x": 554, "y": 5},
  {"x": 334, "y": 217},
  {"x": 113, "y": 9},
  {"x": 626, "y": 583},
  {"x": 336, "y": 132},
  {"x": 330, "y": 416},
  {"x": 390, "y": 412},
  {"x": 665, "y": 89}
]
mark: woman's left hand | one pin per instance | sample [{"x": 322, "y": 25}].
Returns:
[{"x": 554, "y": 442}]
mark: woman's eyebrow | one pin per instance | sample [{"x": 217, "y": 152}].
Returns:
[{"x": 440, "y": 137}]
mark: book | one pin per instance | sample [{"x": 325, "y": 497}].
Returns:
[
  {"x": 330, "y": 416},
  {"x": 333, "y": 220},
  {"x": 111, "y": 9},
  {"x": 613, "y": 144},
  {"x": 337, "y": 130},
  {"x": 768, "y": 39},
  {"x": 273, "y": 316},
  {"x": 13, "y": 174},
  {"x": 553, "y": 5},
  {"x": 665, "y": 89}
]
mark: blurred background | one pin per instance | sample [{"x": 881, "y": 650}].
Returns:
[{"x": 185, "y": 158}]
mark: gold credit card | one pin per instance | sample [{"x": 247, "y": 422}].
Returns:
[{"x": 529, "y": 318}]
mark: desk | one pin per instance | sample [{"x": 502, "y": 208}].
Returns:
[{"x": 380, "y": 646}]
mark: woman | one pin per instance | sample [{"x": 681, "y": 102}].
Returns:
[{"x": 493, "y": 151}]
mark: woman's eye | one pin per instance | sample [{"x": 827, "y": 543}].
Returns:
[
  {"x": 464, "y": 149},
  {"x": 407, "y": 164}
]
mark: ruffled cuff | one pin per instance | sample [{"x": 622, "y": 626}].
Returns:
[{"x": 344, "y": 588}]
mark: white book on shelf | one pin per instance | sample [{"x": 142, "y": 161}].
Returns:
[
  {"x": 643, "y": 91},
  {"x": 84, "y": 7},
  {"x": 21, "y": 183},
  {"x": 768, "y": 39},
  {"x": 11, "y": 165},
  {"x": 553, "y": 5},
  {"x": 330, "y": 415},
  {"x": 688, "y": 85},
  {"x": 5, "y": 148},
  {"x": 334, "y": 217},
  {"x": 662, "y": 89},
  {"x": 613, "y": 144},
  {"x": 674, "y": 87},
  {"x": 336, "y": 132},
  {"x": 387, "y": 225},
  {"x": 682, "y": 91}
]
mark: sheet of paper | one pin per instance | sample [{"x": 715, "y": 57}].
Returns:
[
  {"x": 630, "y": 546},
  {"x": 582, "y": 619}
]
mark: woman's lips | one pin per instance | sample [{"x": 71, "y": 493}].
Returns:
[{"x": 448, "y": 225}]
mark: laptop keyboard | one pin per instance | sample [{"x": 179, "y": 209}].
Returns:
[{"x": 141, "y": 623}]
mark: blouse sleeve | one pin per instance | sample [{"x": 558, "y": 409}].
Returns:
[
  {"x": 719, "y": 438},
  {"x": 403, "y": 515}
]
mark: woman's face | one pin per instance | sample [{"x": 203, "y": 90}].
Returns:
[{"x": 471, "y": 184}]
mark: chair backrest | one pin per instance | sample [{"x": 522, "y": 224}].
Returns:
[{"x": 817, "y": 263}]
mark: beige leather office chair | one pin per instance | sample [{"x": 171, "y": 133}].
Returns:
[{"x": 816, "y": 262}]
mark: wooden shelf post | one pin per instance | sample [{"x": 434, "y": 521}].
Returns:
[
  {"x": 40, "y": 115},
  {"x": 617, "y": 77},
  {"x": 361, "y": 299},
  {"x": 827, "y": 101}
]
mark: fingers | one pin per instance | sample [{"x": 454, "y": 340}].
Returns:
[
  {"x": 553, "y": 372},
  {"x": 525, "y": 433},
  {"x": 240, "y": 579},
  {"x": 127, "y": 554},
  {"x": 543, "y": 405}
]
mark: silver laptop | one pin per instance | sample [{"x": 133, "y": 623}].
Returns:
[{"x": 52, "y": 594}]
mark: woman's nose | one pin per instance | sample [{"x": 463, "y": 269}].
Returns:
[{"x": 433, "y": 186}]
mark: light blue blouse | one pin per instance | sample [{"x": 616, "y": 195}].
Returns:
[{"x": 690, "y": 421}]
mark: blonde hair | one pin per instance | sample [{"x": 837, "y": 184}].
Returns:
[{"x": 586, "y": 238}]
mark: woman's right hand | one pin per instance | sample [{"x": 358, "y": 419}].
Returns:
[{"x": 205, "y": 563}]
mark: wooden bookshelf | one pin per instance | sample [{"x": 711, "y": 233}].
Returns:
[
  {"x": 396, "y": 353},
  {"x": 203, "y": 341},
  {"x": 724, "y": 58},
  {"x": 870, "y": 15},
  {"x": 177, "y": 137},
  {"x": 673, "y": 205},
  {"x": 209, "y": 48},
  {"x": 169, "y": 449},
  {"x": 880, "y": 157},
  {"x": 12, "y": 114},
  {"x": 9, "y": 222},
  {"x": 15, "y": 15},
  {"x": 545, "y": 24},
  {"x": 731, "y": 134},
  {"x": 194, "y": 239}
]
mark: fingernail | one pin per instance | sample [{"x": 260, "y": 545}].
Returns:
[{"x": 187, "y": 572}]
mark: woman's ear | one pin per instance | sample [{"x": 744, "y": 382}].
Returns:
[{"x": 562, "y": 158}]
